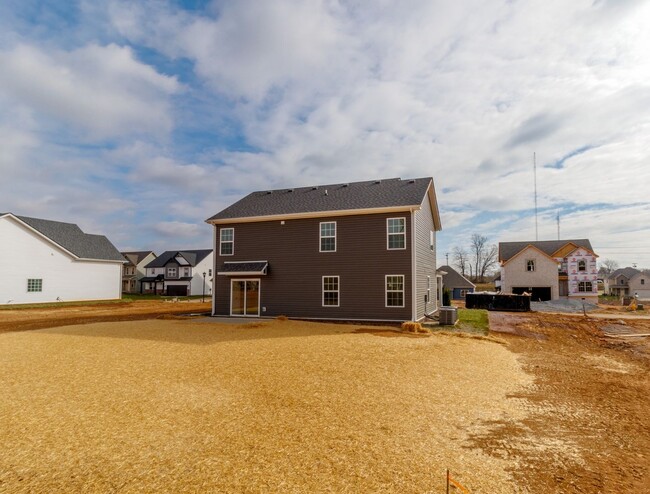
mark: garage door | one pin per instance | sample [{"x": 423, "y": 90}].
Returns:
[
  {"x": 177, "y": 290},
  {"x": 537, "y": 292}
]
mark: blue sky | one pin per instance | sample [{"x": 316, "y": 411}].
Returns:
[{"x": 139, "y": 120}]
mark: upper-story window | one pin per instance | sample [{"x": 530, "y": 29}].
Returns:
[
  {"x": 582, "y": 265},
  {"x": 172, "y": 272},
  {"x": 328, "y": 236},
  {"x": 396, "y": 231},
  {"x": 227, "y": 242},
  {"x": 186, "y": 271},
  {"x": 642, "y": 281},
  {"x": 432, "y": 240},
  {"x": 530, "y": 265}
]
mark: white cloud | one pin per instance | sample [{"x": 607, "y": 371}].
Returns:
[{"x": 102, "y": 90}]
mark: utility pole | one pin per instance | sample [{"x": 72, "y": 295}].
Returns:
[{"x": 535, "y": 181}]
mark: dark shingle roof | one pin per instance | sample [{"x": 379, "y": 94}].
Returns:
[
  {"x": 627, "y": 272},
  {"x": 453, "y": 279},
  {"x": 193, "y": 257},
  {"x": 508, "y": 250},
  {"x": 135, "y": 258},
  {"x": 373, "y": 194},
  {"x": 74, "y": 240}
]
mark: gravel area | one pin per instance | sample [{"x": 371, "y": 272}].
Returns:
[
  {"x": 563, "y": 306},
  {"x": 280, "y": 406}
]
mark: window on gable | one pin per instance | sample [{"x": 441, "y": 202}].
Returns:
[
  {"x": 330, "y": 291},
  {"x": 530, "y": 265},
  {"x": 584, "y": 286},
  {"x": 227, "y": 241},
  {"x": 395, "y": 290},
  {"x": 642, "y": 281},
  {"x": 328, "y": 236},
  {"x": 172, "y": 272},
  {"x": 34, "y": 284},
  {"x": 396, "y": 231},
  {"x": 582, "y": 265}
]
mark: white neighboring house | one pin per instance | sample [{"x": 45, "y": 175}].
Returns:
[
  {"x": 179, "y": 273},
  {"x": 49, "y": 261}
]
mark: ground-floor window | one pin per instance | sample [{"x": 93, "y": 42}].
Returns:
[
  {"x": 584, "y": 286},
  {"x": 34, "y": 284},
  {"x": 463, "y": 292},
  {"x": 330, "y": 291},
  {"x": 395, "y": 290}
]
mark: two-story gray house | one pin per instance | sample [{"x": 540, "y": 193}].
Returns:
[{"x": 352, "y": 251}]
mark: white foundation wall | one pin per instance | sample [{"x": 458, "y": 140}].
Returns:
[{"x": 26, "y": 255}]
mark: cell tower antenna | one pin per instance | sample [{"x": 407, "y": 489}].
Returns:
[{"x": 535, "y": 182}]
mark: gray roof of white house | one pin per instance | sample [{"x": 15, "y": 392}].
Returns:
[
  {"x": 508, "y": 250},
  {"x": 627, "y": 272},
  {"x": 453, "y": 279},
  {"x": 193, "y": 257},
  {"x": 74, "y": 240},
  {"x": 372, "y": 194}
]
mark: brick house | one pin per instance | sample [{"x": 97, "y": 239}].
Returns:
[{"x": 355, "y": 251}]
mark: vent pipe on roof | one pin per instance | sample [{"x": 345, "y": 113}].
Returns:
[
  {"x": 411, "y": 181},
  {"x": 325, "y": 191}
]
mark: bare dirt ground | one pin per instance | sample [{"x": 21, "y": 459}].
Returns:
[
  {"x": 588, "y": 428},
  {"x": 286, "y": 406},
  {"x": 49, "y": 317}
]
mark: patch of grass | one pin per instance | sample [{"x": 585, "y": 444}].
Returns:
[{"x": 473, "y": 321}]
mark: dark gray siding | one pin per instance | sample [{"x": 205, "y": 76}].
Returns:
[
  {"x": 293, "y": 283},
  {"x": 425, "y": 259}
]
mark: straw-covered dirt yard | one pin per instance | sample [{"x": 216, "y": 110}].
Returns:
[{"x": 546, "y": 404}]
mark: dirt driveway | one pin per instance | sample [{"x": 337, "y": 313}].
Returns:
[{"x": 588, "y": 427}]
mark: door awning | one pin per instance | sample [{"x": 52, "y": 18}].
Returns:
[{"x": 244, "y": 268}]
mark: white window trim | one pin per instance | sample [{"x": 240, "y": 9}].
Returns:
[
  {"x": 338, "y": 291},
  {"x": 388, "y": 234},
  {"x": 222, "y": 242},
  {"x": 403, "y": 291},
  {"x": 321, "y": 237}
]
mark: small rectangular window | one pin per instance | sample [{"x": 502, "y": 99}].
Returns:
[
  {"x": 432, "y": 240},
  {"x": 395, "y": 290},
  {"x": 330, "y": 291},
  {"x": 172, "y": 273},
  {"x": 530, "y": 265},
  {"x": 328, "y": 236},
  {"x": 210, "y": 272},
  {"x": 35, "y": 285},
  {"x": 227, "y": 241},
  {"x": 642, "y": 281},
  {"x": 186, "y": 272},
  {"x": 396, "y": 232}
]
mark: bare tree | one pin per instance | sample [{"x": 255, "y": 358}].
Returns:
[
  {"x": 484, "y": 256},
  {"x": 460, "y": 259},
  {"x": 608, "y": 266}
]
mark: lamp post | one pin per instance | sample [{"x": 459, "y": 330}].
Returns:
[{"x": 203, "y": 297}]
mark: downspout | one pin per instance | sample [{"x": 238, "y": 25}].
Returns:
[
  {"x": 414, "y": 295},
  {"x": 214, "y": 271}
]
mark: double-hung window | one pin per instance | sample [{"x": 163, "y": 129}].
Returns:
[
  {"x": 227, "y": 241},
  {"x": 396, "y": 232},
  {"x": 328, "y": 236},
  {"x": 582, "y": 265},
  {"x": 584, "y": 286},
  {"x": 395, "y": 290},
  {"x": 172, "y": 272},
  {"x": 330, "y": 291}
]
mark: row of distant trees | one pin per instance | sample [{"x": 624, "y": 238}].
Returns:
[{"x": 477, "y": 261}]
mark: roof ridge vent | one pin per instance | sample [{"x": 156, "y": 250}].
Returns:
[
  {"x": 269, "y": 192},
  {"x": 314, "y": 188},
  {"x": 346, "y": 185},
  {"x": 289, "y": 190},
  {"x": 377, "y": 181},
  {"x": 411, "y": 181}
]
